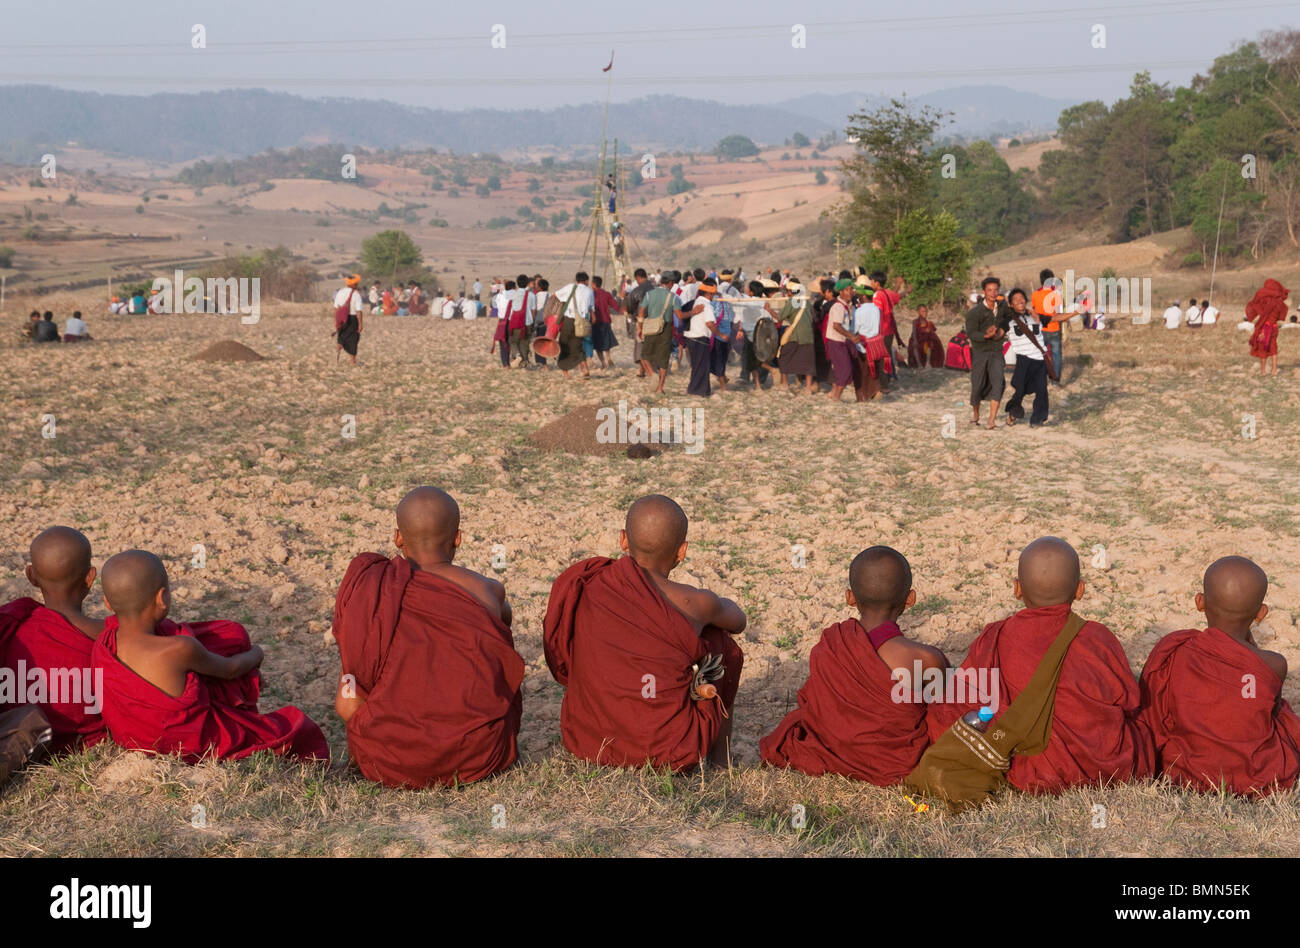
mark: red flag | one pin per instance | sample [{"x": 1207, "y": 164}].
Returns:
[{"x": 611, "y": 62}]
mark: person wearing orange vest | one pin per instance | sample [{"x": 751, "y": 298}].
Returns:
[{"x": 1046, "y": 302}]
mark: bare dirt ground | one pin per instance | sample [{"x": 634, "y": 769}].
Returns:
[{"x": 1146, "y": 459}]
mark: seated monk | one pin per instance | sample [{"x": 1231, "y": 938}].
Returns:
[
  {"x": 430, "y": 686},
  {"x": 1096, "y": 732},
  {"x": 1213, "y": 698},
  {"x": 924, "y": 347},
  {"x": 186, "y": 689},
  {"x": 56, "y": 638},
  {"x": 634, "y": 648},
  {"x": 861, "y": 713}
]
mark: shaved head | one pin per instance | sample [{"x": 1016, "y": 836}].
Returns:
[
  {"x": 880, "y": 576},
  {"x": 656, "y": 527},
  {"x": 131, "y": 580},
  {"x": 1048, "y": 572},
  {"x": 1235, "y": 588},
  {"x": 428, "y": 518},
  {"x": 60, "y": 556}
]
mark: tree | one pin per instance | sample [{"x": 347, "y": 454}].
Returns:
[
  {"x": 677, "y": 183},
  {"x": 800, "y": 140},
  {"x": 735, "y": 146},
  {"x": 821, "y": 177},
  {"x": 494, "y": 182},
  {"x": 889, "y": 175},
  {"x": 991, "y": 205},
  {"x": 926, "y": 250},
  {"x": 390, "y": 254}
]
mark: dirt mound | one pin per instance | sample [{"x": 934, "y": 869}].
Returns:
[
  {"x": 227, "y": 350},
  {"x": 575, "y": 433}
]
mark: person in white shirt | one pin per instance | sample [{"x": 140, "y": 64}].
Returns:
[
  {"x": 539, "y": 306},
  {"x": 1193, "y": 316},
  {"x": 75, "y": 329},
  {"x": 871, "y": 345},
  {"x": 1173, "y": 315},
  {"x": 577, "y": 300},
  {"x": 701, "y": 328},
  {"x": 478, "y": 288},
  {"x": 501, "y": 307},
  {"x": 1030, "y": 375},
  {"x": 520, "y": 307},
  {"x": 1209, "y": 314},
  {"x": 347, "y": 317}
]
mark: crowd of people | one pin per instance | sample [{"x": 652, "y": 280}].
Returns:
[{"x": 429, "y": 684}]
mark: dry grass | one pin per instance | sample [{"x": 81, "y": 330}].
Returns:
[{"x": 155, "y": 450}]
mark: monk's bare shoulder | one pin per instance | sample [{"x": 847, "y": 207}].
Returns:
[
  {"x": 1273, "y": 660},
  {"x": 694, "y": 603},
  {"x": 490, "y": 592},
  {"x": 904, "y": 653}
]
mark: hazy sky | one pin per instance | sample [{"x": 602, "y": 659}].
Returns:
[{"x": 439, "y": 53}]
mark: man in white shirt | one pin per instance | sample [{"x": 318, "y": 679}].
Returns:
[
  {"x": 1173, "y": 315},
  {"x": 478, "y": 288},
  {"x": 1030, "y": 375},
  {"x": 577, "y": 300},
  {"x": 1209, "y": 314},
  {"x": 867, "y": 320},
  {"x": 1193, "y": 316},
  {"x": 347, "y": 317},
  {"x": 701, "y": 328},
  {"x": 75, "y": 329}
]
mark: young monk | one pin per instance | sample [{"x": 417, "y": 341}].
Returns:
[
  {"x": 1213, "y": 698},
  {"x": 850, "y": 719},
  {"x": 430, "y": 685},
  {"x": 57, "y": 637},
  {"x": 1096, "y": 733},
  {"x": 191, "y": 689},
  {"x": 636, "y": 651}
]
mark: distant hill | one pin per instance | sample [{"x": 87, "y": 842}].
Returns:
[
  {"x": 239, "y": 122},
  {"x": 977, "y": 111}
]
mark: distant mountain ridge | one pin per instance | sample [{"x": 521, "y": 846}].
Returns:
[{"x": 238, "y": 122}]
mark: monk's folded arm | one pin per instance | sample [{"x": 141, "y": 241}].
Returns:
[{"x": 203, "y": 662}]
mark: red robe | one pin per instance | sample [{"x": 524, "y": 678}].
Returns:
[
  {"x": 1097, "y": 733},
  {"x": 624, "y": 654},
  {"x": 212, "y": 717},
  {"x": 439, "y": 674},
  {"x": 41, "y": 638},
  {"x": 1266, "y": 309},
  {"x": 1206, "y": 730},
  {"x": 847, "y": 721},
  {"x": 924, "y": 347}
]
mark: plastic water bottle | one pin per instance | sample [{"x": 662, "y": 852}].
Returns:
[{"x": 980, "y": 719}]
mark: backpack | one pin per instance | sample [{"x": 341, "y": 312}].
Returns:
[{"x": 342, "y": 312}]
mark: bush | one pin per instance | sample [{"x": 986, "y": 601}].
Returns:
[
  {"x": 821, "y": 176},
  {"x": 494, "y": 183},
  {"x": 497, "y": 223},
  {"x": 6, "y": 256},
  {"x": 482, "y": 190},
  {"x": 1194, "y": 259}
]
